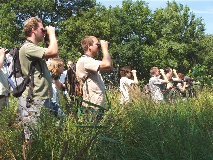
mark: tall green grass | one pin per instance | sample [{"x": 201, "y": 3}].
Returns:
[{"x": 139, "y": 130}]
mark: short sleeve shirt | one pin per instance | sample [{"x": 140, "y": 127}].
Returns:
[
  {"x": 180, "y": 87},
  {"x": 155, "y": 88},
  {"x": 124, "y": 88},
  {"x": 56, "y": 94},
  {"x": 63, "y": 76},
  {"x": 179, "y": 90},
  {"x": 28, "y": 53},
  {"x": 87, "y": 69}
]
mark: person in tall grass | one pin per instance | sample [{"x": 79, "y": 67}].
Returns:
[
  {"x": 4, "y": 86},
  {"x": 31, "y": 53},
  {"x": 71, "y": 69},
  {"x": 155, "y": 83},
  {"x": 64, "y": 74},
  {"x": 56, "y": 68},
  {"x": 88, "y": 71},
  {"x": 167, "y": 87},
  {"x": 181, "y": 85},
  {"x": 128, "y": 79}
]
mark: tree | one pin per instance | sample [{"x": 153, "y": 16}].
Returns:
[
  {"x": 178, "y": 36},
  {"x": 75, "y": 28},
  {"x": 138, "y": 37},
  {"x": 51, "y": 12}
]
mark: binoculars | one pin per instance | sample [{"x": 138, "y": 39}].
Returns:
[
  {"x": 44, "y": 30},
  {"x": 99, "y": 44}
]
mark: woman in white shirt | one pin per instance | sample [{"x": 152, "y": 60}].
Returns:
[{"x": 128, "y": 78}]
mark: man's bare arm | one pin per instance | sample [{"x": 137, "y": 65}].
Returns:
[
  {"x": 2, "y": 56},
  {"x": 106, "y": 64},
  {"x": 52, "y": 51}
]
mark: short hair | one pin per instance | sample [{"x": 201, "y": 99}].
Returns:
[
  {"x": 153, "y": 70},
  {"x": 181, "y": 75},
  {"x": 29, "y": 24},
  {"x": 125, "y": 70},
  {"x": 167, "y": 70},
  {"x": 69, "y": 61},
  {"x": 54, "y": 64},
  {"x": 87, "y": 40}
]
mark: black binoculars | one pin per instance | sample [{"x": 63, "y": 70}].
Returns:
[
  {"x": 44, "y": 30},
  {"x": 99, "y": 44}
]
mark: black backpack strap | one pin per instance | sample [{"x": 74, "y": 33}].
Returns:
[{"x": 29, "y": 98}]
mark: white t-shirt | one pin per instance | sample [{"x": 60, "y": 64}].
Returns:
[
  {"x": 56, "y": 94},
  {"x": 124, "y": 88},
  {"x": 63, "y": 76}
]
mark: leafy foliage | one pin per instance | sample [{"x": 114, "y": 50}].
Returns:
[
  {"x": 138, "y": 37},
  {"x": 14, "y": 13}
]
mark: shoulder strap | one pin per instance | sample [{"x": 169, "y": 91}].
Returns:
[{"x": 31, "y": 84}]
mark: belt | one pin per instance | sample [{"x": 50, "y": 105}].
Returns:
[{"x": 2, "y": 96}]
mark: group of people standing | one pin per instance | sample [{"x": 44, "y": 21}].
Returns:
[
  {"x": 49, "y": 74},
  {"x": 48, "y": 69},
  {"x": 165, "y": 84}
]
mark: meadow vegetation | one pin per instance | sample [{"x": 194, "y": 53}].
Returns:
[{"x": 140, "y": 130}]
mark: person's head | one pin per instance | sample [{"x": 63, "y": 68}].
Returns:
[
  {"x": 181, "y": 76},
  {"x": 89, "y": 45},
  {"x": 56, "y": 66},
  {"x": 154, "y": 71},
  {"x": 168, "y": 70},
  {"x": 34, "y": 26},
  {"x": 126, "y": 72},
  {"x": 69, "y": 64}
]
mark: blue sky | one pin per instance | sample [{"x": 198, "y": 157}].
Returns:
[{"x": 200, "y": 8}]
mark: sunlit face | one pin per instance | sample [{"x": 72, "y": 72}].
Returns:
[
  {"x": 171, "y": 73},
  {"x": 169, "y": 76},
  {"x": 94, "y": 48},
  {"x": 157, "y": 73},
  {"x": 69, "y": 64},
  {"x": 39, "y": 34},
  {"x": 129, "y": 74},
  {"x": 61, "y": 69}
]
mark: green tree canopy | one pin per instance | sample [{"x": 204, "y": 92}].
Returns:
[{"x": 172, "y": 36}]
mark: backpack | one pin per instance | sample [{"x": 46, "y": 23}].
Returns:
[
  {"x": 17, "y": 81},
  {"x": 73, "y": 84}
]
